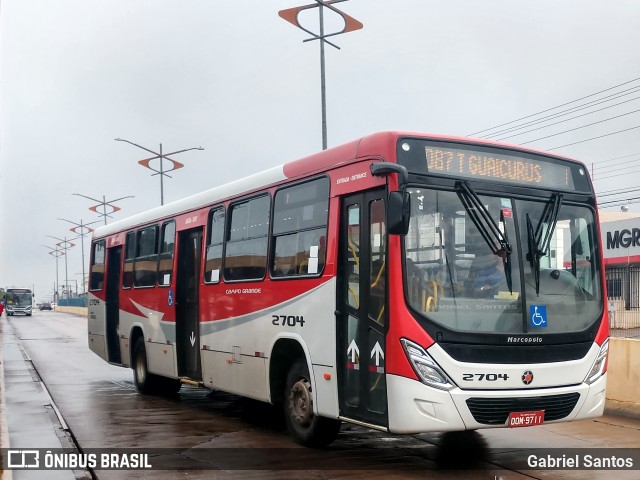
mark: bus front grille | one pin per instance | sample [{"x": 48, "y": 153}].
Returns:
[{"x": 495, "y": 411}]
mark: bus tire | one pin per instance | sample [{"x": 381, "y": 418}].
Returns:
[
  {"x": 145, "y": 381},
  {"x": 304, "y": 427}
]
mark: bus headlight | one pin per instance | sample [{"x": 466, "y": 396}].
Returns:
[
  {"x": 426, "y": 368},
  {"x": 600, "y": 365}
]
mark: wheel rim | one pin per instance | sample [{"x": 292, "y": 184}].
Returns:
[{"x": 301, "y": 402}]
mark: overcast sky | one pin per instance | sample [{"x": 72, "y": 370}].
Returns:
[{"x": 234, "y": 78}]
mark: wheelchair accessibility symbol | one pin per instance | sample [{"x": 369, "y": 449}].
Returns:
[{"x": 538, "y": 316}]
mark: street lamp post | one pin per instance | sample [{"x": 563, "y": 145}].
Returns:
[
  {"x": 104, "y": 203},
  {"x": 65, "y": 245},
  {"x": 161, "y": 156},
  {"x": 350, "y": 24},
  {"x": 81, "y": 234},
  {"x": 57, "y": 253}
]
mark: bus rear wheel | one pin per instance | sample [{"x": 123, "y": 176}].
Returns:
[
  {"x": 143, "y": 379},
  {"x": 306, "y": 428}
]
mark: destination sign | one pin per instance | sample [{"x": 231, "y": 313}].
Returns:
[{"x": 495, "y": 164}]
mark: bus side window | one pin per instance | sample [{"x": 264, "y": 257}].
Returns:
[
  {"x": 300, "y": 229},
  {"x": 96, "y": 272},
  {"x": 146, "y": 262},
  {"x": 215, "y": 239},
  {"x": 246, "y": 247},
  {"x": 129, "y": 257},
  {"x": 165, "y": 258},
  {"x": 377, "y": 237}
]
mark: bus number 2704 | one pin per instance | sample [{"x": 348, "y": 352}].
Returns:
[
  {"x": 287, "y": 320},
  {"x": 490, "y": 377}
]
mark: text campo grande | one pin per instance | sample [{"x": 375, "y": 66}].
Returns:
[
  {"x": 579, "y": 461},
  {"x": 485, "y": 166},
  {"x": 98, "y": 461}
]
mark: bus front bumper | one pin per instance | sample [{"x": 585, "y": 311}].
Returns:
[
  {"x": 417, "y": 408},
  {"x": 19, "y": 310}
]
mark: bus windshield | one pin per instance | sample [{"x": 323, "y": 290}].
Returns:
[
  {"x": 19, "y": 298},
  {"x": 456, "y": 278}
]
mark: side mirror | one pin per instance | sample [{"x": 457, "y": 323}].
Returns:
[{"x": 398, "y": 213}]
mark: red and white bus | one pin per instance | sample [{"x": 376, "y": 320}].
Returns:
[{"x": 404, "y": 282}]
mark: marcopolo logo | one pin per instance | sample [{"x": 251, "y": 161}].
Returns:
[{"x": 623, "y": 238}]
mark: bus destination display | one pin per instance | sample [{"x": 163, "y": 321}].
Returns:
[{"x": 484, "y": 163}]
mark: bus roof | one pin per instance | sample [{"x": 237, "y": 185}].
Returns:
[{"x": 381, "y": 144}]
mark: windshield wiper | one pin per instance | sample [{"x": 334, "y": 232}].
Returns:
[
  {"x": 506, "y": 259},
  {"x": 538, "y": 246},
  {"x": 497, "y": 240}
]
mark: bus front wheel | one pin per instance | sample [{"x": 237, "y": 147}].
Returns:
[{"x": 306, "y": 428}]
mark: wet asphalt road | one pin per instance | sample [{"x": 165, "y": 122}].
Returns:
[{"x": 235, "y": 437}]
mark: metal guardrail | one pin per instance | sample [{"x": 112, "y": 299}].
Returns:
[{"x": 73, "y": 302}]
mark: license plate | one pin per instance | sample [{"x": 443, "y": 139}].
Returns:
[{"x": 526, "y": 419}]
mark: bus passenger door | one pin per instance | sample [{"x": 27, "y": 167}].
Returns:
[
  {"x": 361, "y": 314},
  {"x": 187, "y": 299},
  {"x": 113, "y": 304}
]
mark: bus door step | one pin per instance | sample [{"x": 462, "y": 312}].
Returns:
[{"x": 193, "y": 383}]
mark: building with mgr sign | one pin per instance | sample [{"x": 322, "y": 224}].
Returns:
[{"x": 621, "y": 244}]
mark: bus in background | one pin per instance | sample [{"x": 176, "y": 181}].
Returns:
[
  {"x": 19, "y": 301},
  {"x": 403, "y": 282}
]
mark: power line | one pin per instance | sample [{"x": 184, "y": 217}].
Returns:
[
  {"x": 607, "y": 168},
  {"x": 619, "y": 202},
  {"x": 608, "y": 193},
  {"x": 598, "y": 169},
  {"x": 618, "y": 158},
  {"x": 553, "y": 108},
  {"x": 583, "y": 126},
  {"x": 566, "y": 119},
  {"x": 571, "y": 110},
  {"x": 594, "y": 138},
  {"x": 626, "y": 172},
  {"x": 613, "y": 175},
  {"x": 612, "y": 206}
]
